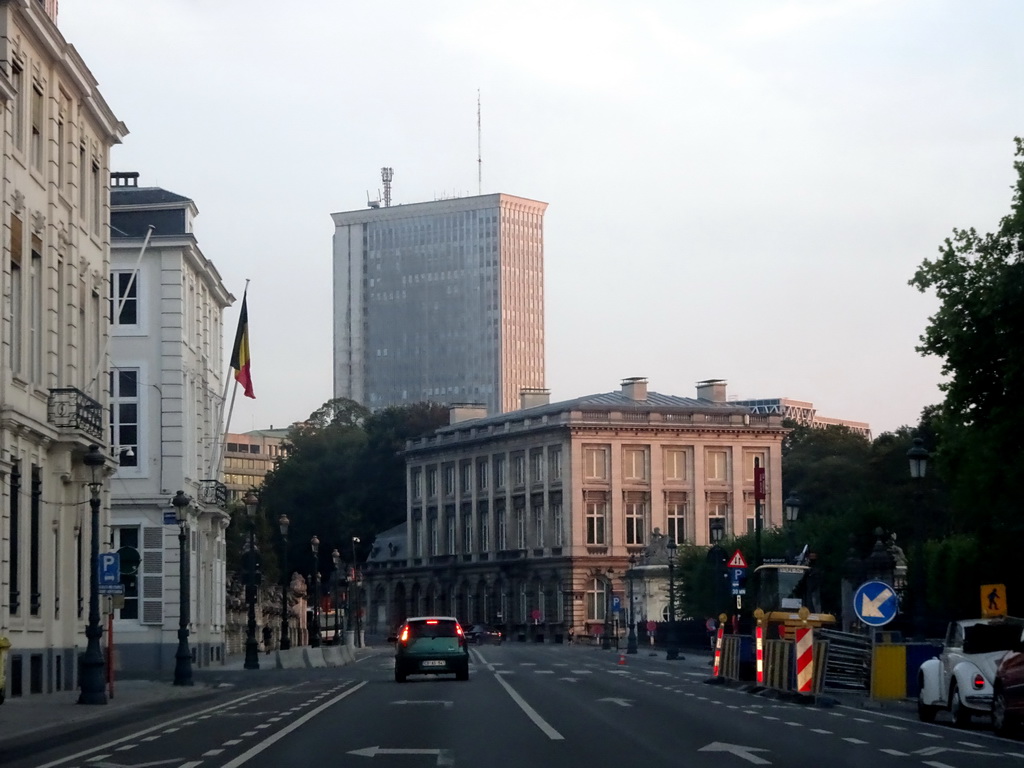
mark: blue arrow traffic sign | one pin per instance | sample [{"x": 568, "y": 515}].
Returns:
[{"x": 875, "y": 603}]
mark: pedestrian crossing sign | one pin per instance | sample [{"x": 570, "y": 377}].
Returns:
[
  {"x": 993, "y": 600},
  {"x": 737, "y": 561}
]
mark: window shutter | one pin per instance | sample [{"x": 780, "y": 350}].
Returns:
[{"x": 152, "y": 592}]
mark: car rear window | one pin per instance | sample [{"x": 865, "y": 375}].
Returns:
[
  {"x": 422, "y": 629},
  {"x": 987, "y": 638}
]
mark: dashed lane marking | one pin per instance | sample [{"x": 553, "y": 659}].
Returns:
[{"x": 853, "y": 740}]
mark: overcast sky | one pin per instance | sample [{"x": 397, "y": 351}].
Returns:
[{"x": 736, "y": 190}]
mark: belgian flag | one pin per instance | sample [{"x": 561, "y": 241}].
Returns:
[{"x": 240, "y": 352}]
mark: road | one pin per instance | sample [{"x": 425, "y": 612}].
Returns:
[{"x": 537, "y": 705}]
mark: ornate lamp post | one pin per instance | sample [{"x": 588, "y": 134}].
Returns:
[
  {"x": 792, "y": 509},
  {"x": 631, "y": 638},
  {"x": 336, "y": 559},
  {"x": 286, "y": 640},
  {"x": 252, "y": 654},
  {"x": 606, "y": 638},
  {"x": 717, "y": 558},
  {"x": 92, "y": 667},
  {"x": 671, "y": 649},
  {"x": 314, "y": 633},
  {"x": 354, "y": 596},
  {"x": 918, "y": 458},
  {"x": 183, "y": 656}
]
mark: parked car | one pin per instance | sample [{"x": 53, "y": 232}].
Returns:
[
  {"x": 960, "y": 680},
  {"x": 430, "y": 645},
  {"x": 479, "y": 634},
  {"x": 1008, "y": 691}
]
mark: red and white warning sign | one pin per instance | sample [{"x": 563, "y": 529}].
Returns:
[{"x": 737, "y": 561}]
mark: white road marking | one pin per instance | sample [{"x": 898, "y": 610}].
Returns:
[
  {"x": 852, "y": 740},
  {"x": 212, "y": 752},
  {"x": 821, "y": 730},
  {"x": 937, "y": 764},
  {"x": 531, "y": 713},
  {"x": 894, "y": 752}
]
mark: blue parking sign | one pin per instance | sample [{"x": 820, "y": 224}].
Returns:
[
  {"x": 616, "y": 603},
  {"x": 109, "y": 567}
]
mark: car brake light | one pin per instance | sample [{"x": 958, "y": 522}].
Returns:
[
  {"x": 979, "y": 682},
  {"x": 404, "y": 638},
  {"x": 431, "y": 621},
  {"x": 458, "y": 630}
]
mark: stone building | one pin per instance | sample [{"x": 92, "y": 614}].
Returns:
[
  {"x": 527, "y": 519},
  {"x": 58, "y": 131}
]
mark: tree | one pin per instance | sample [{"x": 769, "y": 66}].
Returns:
[{"x": 978, "y": 331}]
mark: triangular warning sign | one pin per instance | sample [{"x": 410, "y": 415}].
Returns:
[{"x": 737, "y": 560}]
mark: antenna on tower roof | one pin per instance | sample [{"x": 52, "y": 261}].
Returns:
[
  {"x": 479, "y": 155},
  {"x": 386, "y": 175}
]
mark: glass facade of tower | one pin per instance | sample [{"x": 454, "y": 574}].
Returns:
[{"x": 440, "y": 302}]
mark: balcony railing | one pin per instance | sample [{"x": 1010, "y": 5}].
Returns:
[
  {"x": 70, "y": 408},
  {"x": 213, "y": 492}
]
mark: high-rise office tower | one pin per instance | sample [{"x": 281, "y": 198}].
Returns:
[{"x": 440, "y": 301}]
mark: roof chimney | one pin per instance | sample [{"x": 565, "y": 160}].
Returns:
[
  {"x": 711, "y": 389},
  {"x": 465, "y": 412},
  {"x": 532, "y": 397},
  {"x": 635, "y": 388},
  {"x": 124, "y": 178}
]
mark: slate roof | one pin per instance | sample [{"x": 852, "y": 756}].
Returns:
[{"x": 144, "y": 196}]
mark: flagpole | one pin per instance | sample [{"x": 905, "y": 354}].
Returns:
[{"x": 219, "y": 454}]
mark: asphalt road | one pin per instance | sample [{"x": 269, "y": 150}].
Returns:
[{"x": 524, "y": 705}]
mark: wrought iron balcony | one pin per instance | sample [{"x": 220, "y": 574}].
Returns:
[
  {"x": 213, "y": 492},
  {"x": 70, "y": 408}
]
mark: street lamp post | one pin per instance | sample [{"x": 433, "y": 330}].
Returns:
[
  {"x": 252, "y": 654},
  {"x": 92, "y": 675},
  {"x": 918, "y": 458},
  {"x": 606, "y": 638},
  {"x": 671, "y": 649},
  {"x": 314, "y": 633},
  {"x": 631, "y": 638},
  {"x": 760, "y": 493},
  {"x": 792, "y": 508},
  {"x": 286, "y": 640},
  {"x": 717, "y": 558},
  {"x": 183, "y": 656},
  {"x": 354, "y": 596},
  {"x": 336, "y": 559}
]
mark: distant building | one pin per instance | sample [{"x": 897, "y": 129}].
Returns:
[
  {"x": 166, "y": 396},
  {"x": 249, "y": 456},
  {"x": 440, "y": 301},
  {"x": 528, "y": 519},
  {"x": 54, "y": 219},
  {"x": 802, "y": 412}
]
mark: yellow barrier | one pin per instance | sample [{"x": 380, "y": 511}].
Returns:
[{"x": 889, "y": 672}]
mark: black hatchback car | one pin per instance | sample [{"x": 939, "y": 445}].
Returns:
[
  {"x": 430, "y": 645},
  {"x": 479, "y": 634}
]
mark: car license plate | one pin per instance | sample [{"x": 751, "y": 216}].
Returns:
[{"x": 433, "y": 663}]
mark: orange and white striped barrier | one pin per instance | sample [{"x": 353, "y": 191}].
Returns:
[
  {"x": 759, "y": 647},
  {"x": 718, "y": 648},
  {"x": 805, "y": 660}
]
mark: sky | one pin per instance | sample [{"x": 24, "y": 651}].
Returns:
[{"x": 737, "y": 190}]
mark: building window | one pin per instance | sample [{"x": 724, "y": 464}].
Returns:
[
  {"x": 556, "y": 521},
  {"x": 555, "y": 464},
  {"x": 718, "y": 513},
  {"x": 597, "y": 600},
  {"x": 36, "y": 149},
  {"x": 634, "y": 464},
  {"x": 83, "y": 181},
  {"x": 17, "y": 295},
  {"x": 595, "y": 463},
  {"x": 538, "y": 525},
  {"x": 501, "y": 529},
  {"x": 676, "y": 465},
  {"x": 128, "y": 536},
  {"x": 519, "y": 470},
  {"x": 520, "y": 527},
  {"x": 485, "y": 527},
  {"x": 433, "y": 545},
  {"x": 750, "y": 516},
  {"x": 499, "y": 471},
  {"x": 416, "y": 481},
  {"x": 417, "y": 538},
  {"x": 449, "y": 538},
  {"x": 752, "y": 459},
  {"x": 97, "y": 199},
  {"x": 596, "y": 510},
  {"x": 449, "y": 480},
  {"x": 124, "y": 298},
  {"x": 537, "y": 467},
  {"x": 124, "y": 415},
  {"x": 18, "y": 104},
  {"x": 636, "y": 520},
  {"x": 467, "y": 531},
  {"x": 466, "y": 478},
  {"x": 675, "y": 517},
  {"x": 35, "y": 313},
  {"x": 432, "y": 482},
  {"x": 716, "y": 466},
  {"x": 481, "y": 475}
]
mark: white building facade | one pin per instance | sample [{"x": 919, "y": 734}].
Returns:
[
  {"x": 166, "y": 395},
  {"x": 54, "y": 214}
]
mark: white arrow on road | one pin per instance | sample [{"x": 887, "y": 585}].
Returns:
[
  {"x": 445, "y": 704},
  {"x": 444, "y": 756},
  {"x": 869, "y": 608},
  {"x": 620, "y": 702},
  {"x": 738, "y": 750}
]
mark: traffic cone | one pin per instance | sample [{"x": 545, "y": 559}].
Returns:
[{"x": 622, "y": 659}]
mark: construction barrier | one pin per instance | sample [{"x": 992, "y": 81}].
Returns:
[
  {"x": 759, "y": 651},
  {"x": 777, "y": 664},
  {"x": 730, "y": 668},
  {"x": 718, "y": 649},
  {"x": 804, "y": 659}
]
